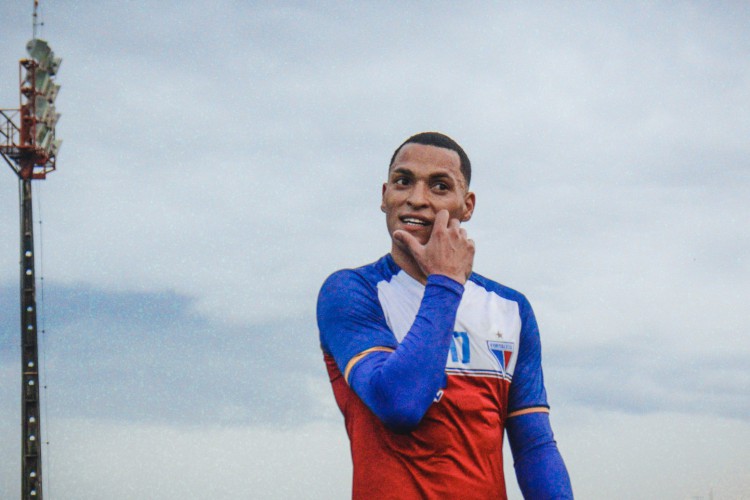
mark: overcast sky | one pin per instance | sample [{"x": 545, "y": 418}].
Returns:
[{"x": 220, "y": 159}]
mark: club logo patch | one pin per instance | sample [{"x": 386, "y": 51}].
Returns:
[{"x": 503, "y": 351}]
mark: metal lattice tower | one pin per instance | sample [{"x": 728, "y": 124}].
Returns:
[{"x": 30, "y": 148}]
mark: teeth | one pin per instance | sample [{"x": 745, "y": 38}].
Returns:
[{"x": 409, "y": 220}]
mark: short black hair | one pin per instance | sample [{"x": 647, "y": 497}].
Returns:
[{"x": 441, "y": 141}]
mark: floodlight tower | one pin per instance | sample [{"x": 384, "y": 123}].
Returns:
[{"x": 30, "y": 148}]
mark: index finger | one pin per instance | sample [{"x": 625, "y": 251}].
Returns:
[{"x": 442, "y": 218}]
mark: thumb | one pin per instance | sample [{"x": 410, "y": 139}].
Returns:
[{"x": 409, "y": 242}]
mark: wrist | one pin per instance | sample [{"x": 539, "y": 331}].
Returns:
[
  {"x": 445, "y": 281},
  {"x": 458, "y": 278}
]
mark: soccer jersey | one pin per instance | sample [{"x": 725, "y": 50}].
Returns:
[{"x": 492, "y": 369}]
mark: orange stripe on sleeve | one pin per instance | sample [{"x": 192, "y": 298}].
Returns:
[
  {"x": 357, "y": 357},
  {"x": 536, "y": 409}
]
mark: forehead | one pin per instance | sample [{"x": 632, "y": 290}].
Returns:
[{"x": 428, "y": 160}]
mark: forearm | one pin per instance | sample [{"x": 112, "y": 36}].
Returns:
[
  {"x": 400, "y": 386},
  {"x": 540, "y": 470}
]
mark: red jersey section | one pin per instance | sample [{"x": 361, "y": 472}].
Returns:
[{"x": 456, "y": 452}]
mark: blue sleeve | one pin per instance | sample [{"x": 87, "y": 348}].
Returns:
[
  {"x": 527, "y": 388},
  {"x": 540, "y": 470},
  {"x": 397, "y": 386},
  {"x": 350, "y": 319}
]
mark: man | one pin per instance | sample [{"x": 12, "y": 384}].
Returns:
[{"x": 430, "y": 362}]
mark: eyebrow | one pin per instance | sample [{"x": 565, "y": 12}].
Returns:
[
  {"x": 442, "y": 175},
  {"x": 406, "y": 171},
  {"x": 402, "y": 170}
]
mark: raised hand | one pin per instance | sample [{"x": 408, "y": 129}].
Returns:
[{"x": 449, "y": 251}]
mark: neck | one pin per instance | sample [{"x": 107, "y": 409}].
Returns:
[{"x": 406, "y": 262}]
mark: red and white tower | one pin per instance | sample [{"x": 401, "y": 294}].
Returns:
[{"x": 29, "y": 146}]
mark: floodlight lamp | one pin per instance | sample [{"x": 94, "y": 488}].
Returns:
[
  {"x": 55, "y": 147},
  {"x": 41, "y": 105},
  {"x": 55, "y": 65},
  {"x": 52, "y": 119},
  {"x": 49, "y": 115},
  {"x": 43, "y": 135},
  {"x": 46, "y": 142},
  {"x": 39, "y": 50},
  {"x": 51, "y": 93},
  {"x": 42, "y": 81}
]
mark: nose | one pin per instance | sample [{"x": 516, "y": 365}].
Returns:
[{"x": 418, "y": 196}]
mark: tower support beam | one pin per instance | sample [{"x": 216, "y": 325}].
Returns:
[{"x": 31, "y": 445}]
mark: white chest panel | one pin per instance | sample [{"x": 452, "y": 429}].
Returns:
[{"x": 486, "y": 334}]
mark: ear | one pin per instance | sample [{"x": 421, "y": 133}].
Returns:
[
  {"x": 470, "y": 201},
  {"x": 382, "y": 198}
]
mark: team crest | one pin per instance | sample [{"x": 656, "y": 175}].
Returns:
[{"x": 503, "y": 351}]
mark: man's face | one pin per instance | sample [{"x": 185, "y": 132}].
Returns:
[{"x": 422, "y": 181}]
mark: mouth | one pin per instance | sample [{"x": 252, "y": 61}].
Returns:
[{"x": 411, "y": 221}]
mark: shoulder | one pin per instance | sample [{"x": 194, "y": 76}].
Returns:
[
  {"x": 365, "y": 278},
  {"x": 350, "y": 317},
  {"x": 501, "y": 290}
]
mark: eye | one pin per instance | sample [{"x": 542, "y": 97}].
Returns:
[
  {"x": 401, "y": 181},
  {"x": 440, "y": 186}
]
